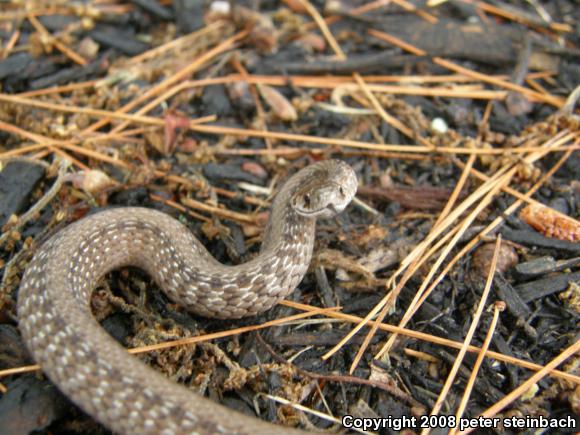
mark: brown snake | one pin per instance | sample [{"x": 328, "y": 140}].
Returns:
[{"x": 98, "y": 374}]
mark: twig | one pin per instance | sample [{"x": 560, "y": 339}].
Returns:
[{"x": 42, "y": 202}]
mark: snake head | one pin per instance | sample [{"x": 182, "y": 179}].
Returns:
[{"x": 327, "y": 191}]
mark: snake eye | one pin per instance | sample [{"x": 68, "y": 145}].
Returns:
[
  {"x": 306, "y": 200},
  {"x": 341, "y": 191}
]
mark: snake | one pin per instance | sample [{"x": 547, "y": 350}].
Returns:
[{"x": 98, "y": 374}]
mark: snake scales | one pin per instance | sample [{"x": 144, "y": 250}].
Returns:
[{"x": 96, "y": 372}]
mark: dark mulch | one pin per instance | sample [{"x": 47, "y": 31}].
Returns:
[{"x": 277, "y": 75}]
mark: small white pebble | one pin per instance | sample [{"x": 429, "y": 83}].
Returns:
[
  {"x": 220, "y": 7},
  {"x": 439, "y": 125}
]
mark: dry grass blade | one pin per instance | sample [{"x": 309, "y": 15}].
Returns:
[
  {"x": 347, "y": 143},
  {"x": 366, "y": 321},
  {"x": 216, "y": 211},
  {"x": 498, "y": 307},
  {"x": 425, "y": 291},
  {"x": 359, "y": 80},
  {"x": 450, "y": 85},
  {"x": 519, "y": 391},
  {"x": 412, "y": 263},
  {"x": 59, "y": 89},
  {"x": 197, "y": 339},
  {"x": 75, "y": 57},
  {"x": 318, "y": 414},
  {"x": 437, "y": 340},
  {"x": 416, "y": 258},
  {"x": 180, "y": 75},
  {"x": 195, "y": 125},
  {"x": 97, "y": 113},
  {"x": 455, "y": 194},
  {"x": 494, "y": 224},
  {"x": 10, "y": 44},
  {"x": 474, "y": 324},
  {"x": 530, "y": 94},
  {"x": 558, "y": 27},
  {"x": 175, "y": 43},
  {"x": 422, "y": 294}
]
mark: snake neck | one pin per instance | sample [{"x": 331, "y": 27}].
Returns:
[{"x": 286, "y": 228}]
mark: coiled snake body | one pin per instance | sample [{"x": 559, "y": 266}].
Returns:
[{"x": 96, "y": 372}]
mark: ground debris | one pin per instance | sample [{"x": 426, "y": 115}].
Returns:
[{"x": 460, "y": 120}]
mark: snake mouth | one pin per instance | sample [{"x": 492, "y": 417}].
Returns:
[
  {"x": 330, "y": 207},
  {"x": 309, "y": 213}
]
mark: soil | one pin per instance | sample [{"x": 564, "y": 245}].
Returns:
[{"x": 460, "y": 122}]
